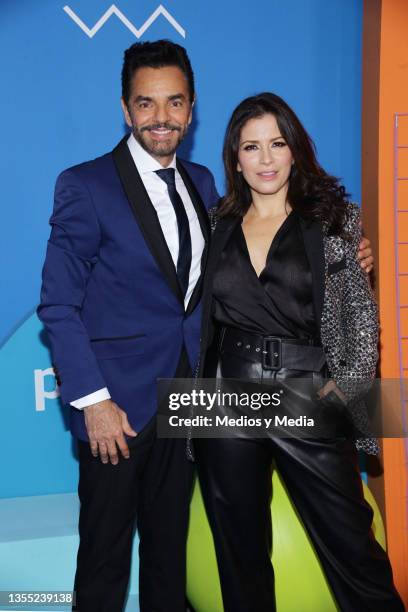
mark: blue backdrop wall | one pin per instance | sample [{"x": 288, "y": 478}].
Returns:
[{"x": 60, "y": 72}]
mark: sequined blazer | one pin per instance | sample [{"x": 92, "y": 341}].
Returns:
[{"x": 344, "y": 307}]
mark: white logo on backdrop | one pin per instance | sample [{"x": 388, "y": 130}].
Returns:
[
  {"x": 40, "y": 393},
  {"x": 113, "y": 10}
]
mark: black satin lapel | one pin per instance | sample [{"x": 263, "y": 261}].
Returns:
[
  {"x": 313, "y": 239},
  {"x": 217, "y": 243},
  {"x": 145, "y": 214},
  {"x": 198, "y": 204},
  {"x": 204, "y": 222}
]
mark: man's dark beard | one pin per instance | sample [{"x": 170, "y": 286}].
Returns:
[{"x": 161, "y": 149}]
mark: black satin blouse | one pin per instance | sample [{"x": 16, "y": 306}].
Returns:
[{"x": 280, "y": 301}]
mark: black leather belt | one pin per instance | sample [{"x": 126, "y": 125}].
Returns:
[{"x": 273, "y": 352}]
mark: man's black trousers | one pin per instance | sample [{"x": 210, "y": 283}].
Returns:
[{"x": 152, "y": 490}]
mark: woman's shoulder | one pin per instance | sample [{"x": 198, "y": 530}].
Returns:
[
  {"x": 212, "y": 213},
  {"x": 352, "y": 217},
  {"x": 350, "y": 224},
  {"x": 215, "y": 217}
]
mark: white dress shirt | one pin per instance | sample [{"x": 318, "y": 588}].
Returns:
[{"x": 159, "y": 196}]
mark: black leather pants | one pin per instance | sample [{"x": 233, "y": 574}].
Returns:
[{"x": 324, "y": 483}]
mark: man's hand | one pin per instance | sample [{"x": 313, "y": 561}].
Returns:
[
  {"x": 365, "y": 255},
  {"x": 106, "y": 423}
]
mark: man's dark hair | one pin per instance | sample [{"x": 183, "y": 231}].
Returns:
[{"x": 155, "y": 54}]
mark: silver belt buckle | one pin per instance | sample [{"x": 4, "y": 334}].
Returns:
[{"x": 271, "y": 353}]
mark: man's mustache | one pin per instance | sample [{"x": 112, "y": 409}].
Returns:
[{"x": 157, "y": 126}]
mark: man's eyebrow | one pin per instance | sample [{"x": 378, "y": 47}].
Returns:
[
  {"x": 177, "y": 96},
  {"x": 143, "y": 99}
]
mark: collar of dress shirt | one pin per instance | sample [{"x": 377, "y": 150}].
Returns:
[{"x": 144, "y": 162}]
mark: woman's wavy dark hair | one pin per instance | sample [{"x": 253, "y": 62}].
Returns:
[{"x": 312, "y": 192}]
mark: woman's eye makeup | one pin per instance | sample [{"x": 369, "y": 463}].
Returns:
[{"x": 277, "y": 144}]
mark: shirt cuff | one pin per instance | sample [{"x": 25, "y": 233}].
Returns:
[{"x": 92, "y": 398}]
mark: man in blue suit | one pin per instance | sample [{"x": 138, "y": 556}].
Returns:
[{"x": 121, "y": 303}]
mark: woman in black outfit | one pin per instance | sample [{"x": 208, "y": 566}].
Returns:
[{"x": 285, "y": 298}]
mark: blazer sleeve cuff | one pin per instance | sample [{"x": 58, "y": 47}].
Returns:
[{"x": 91, "y": 398}]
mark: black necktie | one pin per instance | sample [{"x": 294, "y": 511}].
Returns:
[{"x": 184, "y": 256}]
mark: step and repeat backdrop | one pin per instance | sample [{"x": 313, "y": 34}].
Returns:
[{"x": 60, "y": 105}]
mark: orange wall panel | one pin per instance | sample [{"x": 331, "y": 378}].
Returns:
[
  {"x": 402, "y": 191},
  {"x": 403, "y": 128},
  {"x": 404, "y": 322},
  {"x": 403, "y": 283},
  {"x": 402, "y": 221},
  {"x": 402, "y": 157},
  {"x": 393, "y": 98}
]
